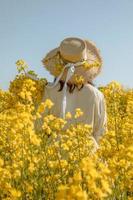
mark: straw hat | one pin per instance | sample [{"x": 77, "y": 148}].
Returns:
[{"x": 74, "y": 50}]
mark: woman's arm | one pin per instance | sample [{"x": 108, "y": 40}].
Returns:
[{"x": 100, "y": 118}]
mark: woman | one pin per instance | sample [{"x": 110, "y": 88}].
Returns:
[{"x": 74, "y": 64}]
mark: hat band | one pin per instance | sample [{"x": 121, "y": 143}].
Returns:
[{"x": 73, "y": 59}]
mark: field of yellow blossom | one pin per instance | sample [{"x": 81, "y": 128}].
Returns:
[{"x": 40, "y": 160}]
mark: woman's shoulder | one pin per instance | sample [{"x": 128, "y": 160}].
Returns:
[{"x": 94, "y": 91}]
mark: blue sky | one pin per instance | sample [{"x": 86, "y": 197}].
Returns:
[{"x": 30, "y": 28}]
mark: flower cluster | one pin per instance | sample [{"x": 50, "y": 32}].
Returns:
[{"x": 41, "y": 159}]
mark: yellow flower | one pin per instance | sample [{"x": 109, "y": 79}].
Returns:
[
  {"x": 20, "y": 62},
  {"x": 78, "y": 113},
  {"x": 68, "y": 115},
  {"x": 63, "y": 163},
  {"x": 61, "y": 194},
  {"x": 41, "y": 108},
  {"x": 34, "y": 139},
  {"x": 82, "y": 195},
  {"x": 17, "y": 174},
  {"x": 59, "y": 68},
  {"x": 15, "y": 193},
  {"x": 47, "y": 104},
  {"x": 1, "y": 162},
  {"x": 29, "y": 188},
  {"x": 31, "y": 167},
  {"x": 48, "y": 130},
  {"x": 88, "y": 66},
  {"x": 77, "y": 177},
  {"x": 78, "y": 79},
  {"x": 65, "y": 147}
]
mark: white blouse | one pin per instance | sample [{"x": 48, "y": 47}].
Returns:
[{"x": 89, "y": 99}]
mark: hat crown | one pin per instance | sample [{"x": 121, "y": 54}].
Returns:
[{"x": 73, "y": 49}]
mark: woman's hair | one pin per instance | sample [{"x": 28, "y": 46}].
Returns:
[{"x": 71, "y": 86}]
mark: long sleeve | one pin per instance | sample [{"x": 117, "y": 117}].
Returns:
[{"x": 100, "y": 118}]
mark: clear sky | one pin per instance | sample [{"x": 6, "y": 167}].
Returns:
[{"x": 30, "y": 28}]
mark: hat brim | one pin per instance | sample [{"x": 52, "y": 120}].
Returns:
[{"x": 52, "y": 62}]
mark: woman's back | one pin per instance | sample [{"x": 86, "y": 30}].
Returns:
[{"x": 89, "y": 99}]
